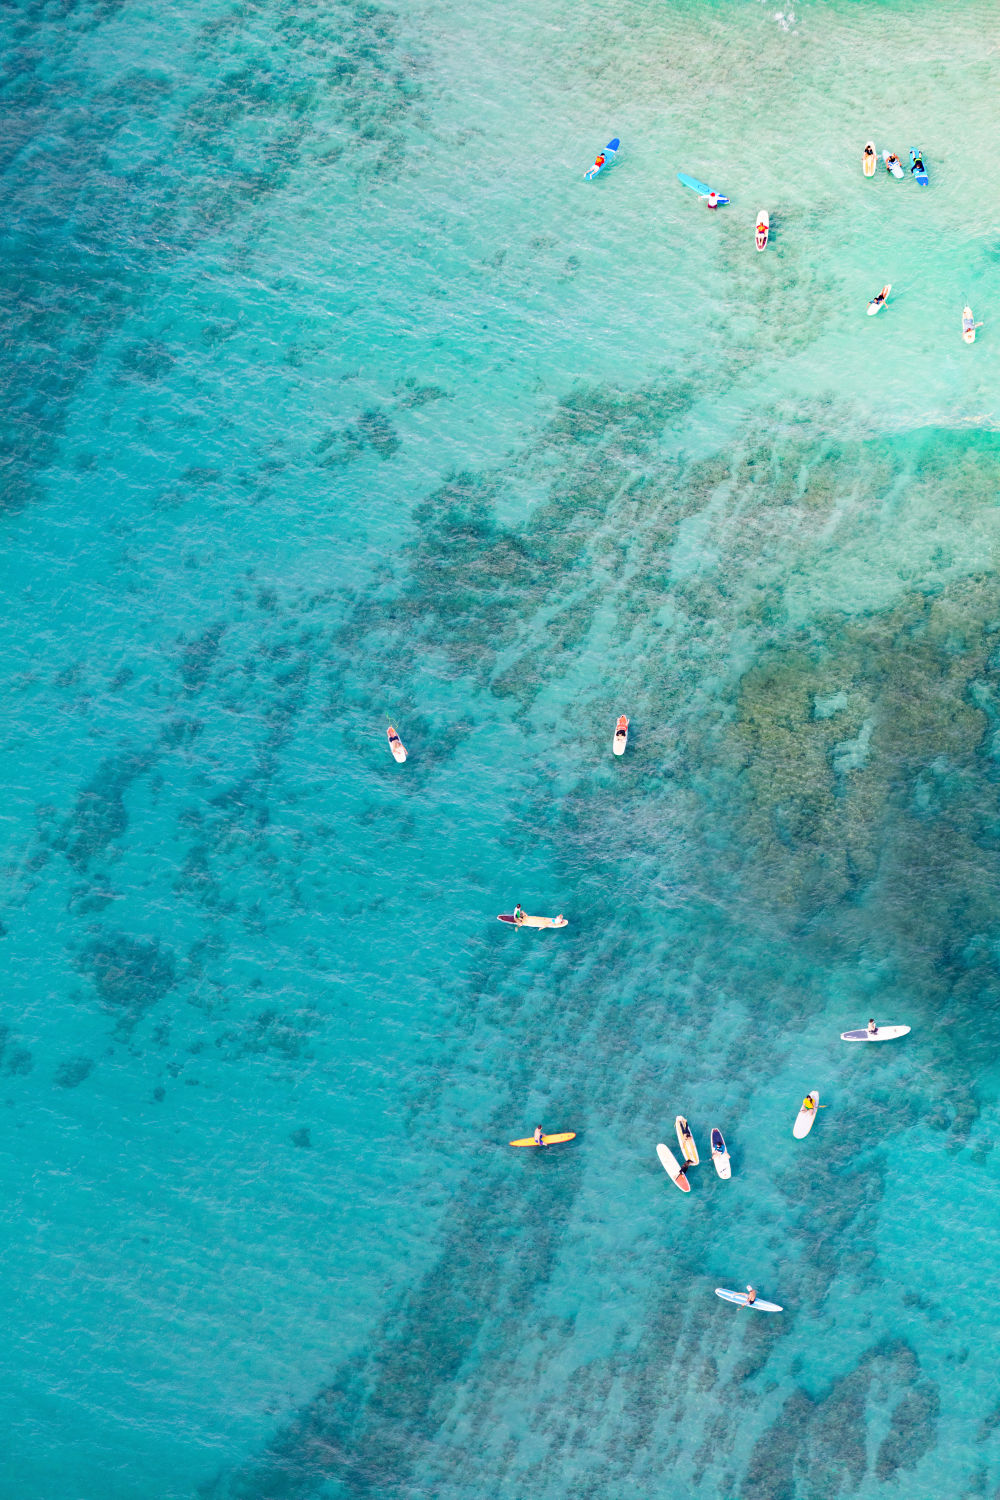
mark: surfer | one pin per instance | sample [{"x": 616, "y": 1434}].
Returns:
[
  {"x": 869, "y": 151},
  {"x": 872, "y": 1028},
  {"x": 751, "y": 1295},
  {"x": 918, "y": 165},
  {"x": 599, "y": 161},
  {"x": 538, "y": 1136},
  {"x": 807, "y": 1102},
  {"x": 518, "y": 914},
  {"x": 713, "y": 199},
  {"x": 892, "y": 160}
]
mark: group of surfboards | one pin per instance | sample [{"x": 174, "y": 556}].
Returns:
[
  {"x": 676, "y": 1170},
  {"x": 762, "y": 224}
]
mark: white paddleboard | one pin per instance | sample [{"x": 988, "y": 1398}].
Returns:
[
  {"x": 396, "y": 745},
  {"x": 762, "y": 229},
  {"x": 672, "y": 1167},
  {"x": 895, "y": 166},
  {"x": 884, "y": 1034},
  {"x": 686, "y": 1140},
  {"x": 806, "y": 1118},
  {"x": 720, "y": 1156},
  {"x": 968, "y": 326},
  {"x": 869, "y": 158},
  {"x": 508, "y": 917},
  {"x": 621, "y": 735},
  {"x": 740, "y": 1298}
]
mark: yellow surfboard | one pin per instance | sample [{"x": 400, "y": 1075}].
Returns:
[{"x": 547, "y": 1140}]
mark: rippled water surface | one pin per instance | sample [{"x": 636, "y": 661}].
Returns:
[{"x": 332, "y": 393}]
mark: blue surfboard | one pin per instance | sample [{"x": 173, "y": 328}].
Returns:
[
  {"x": 919, "y": 172},
  {"x": 610, "y": 152},
  {"x": 701, "y": 188}
]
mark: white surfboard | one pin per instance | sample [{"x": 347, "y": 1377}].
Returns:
[
  {"x": 762, "y": 229},
  {"x": 806, "y": 1118},
  {"x": 720, "y": 1156},
  {"x": 884, "y": 1034},
  {"x": 877, "y": 303},
  {"x": 740, "y": 1298},
  {"x": 969, "y": 325},
  {"x": 672, "y": 1167},
  {"x": 686, "y": 1140},
  {"x": 620, "y": 739}
]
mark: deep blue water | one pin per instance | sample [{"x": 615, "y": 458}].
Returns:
[{"x": 332, "y": 394}]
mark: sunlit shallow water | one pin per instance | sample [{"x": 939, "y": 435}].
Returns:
[{"x": 335, "y": 394}]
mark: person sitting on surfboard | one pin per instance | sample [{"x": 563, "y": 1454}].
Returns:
[
  {"x": 751, "y": 1295},
  {"x": 519, "y": 913},
  {"x": 869, "y": 151},
  {"x": 538, "y": 1136},
  {"x": 872, "y": 1028},
  {"x": 807, "y": 1102},
  {"x": 713, "y": 199}
]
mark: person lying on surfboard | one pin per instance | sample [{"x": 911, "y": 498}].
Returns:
[
  {"x": 599, "y": 161},
  {"x": 869, "y": 151}
]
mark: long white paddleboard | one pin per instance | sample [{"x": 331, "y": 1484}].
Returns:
[
  {"x": 621, "y": 735},
  {"x": 526, "y": 921},
  {"x": 720, "y": 1155},
  {"x": 884, "y": 1034},
  {"x": 806, "y": 1118},
  {"x": 672, "y": 1167},
  {"x": 740, "y": 1298},
  {"x": 686, "y": 1140}
]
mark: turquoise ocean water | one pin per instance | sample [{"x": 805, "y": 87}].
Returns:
[{"x": 332, "y": 392}]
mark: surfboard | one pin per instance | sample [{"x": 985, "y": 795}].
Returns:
[
  {"x": 893, "y": 165},
  {"x": 968, "y": 325},
  {"x": 720, "y": 1156},
  {"x": 806, "y": 1118},
  {"x": 869, "y": 157},
  {"x": 701, "y": 188},
  {"x": 621, "y": 735},
  {"x": 396, "y": 745},
  {"x": 547, "y": 1140},
  {"x": 508, "y": 916},
  {"x": 686, "y": 1140},
  {"x": 876, "y": 305},
  {"x": 610, "y": 152},
  {"x": 762, "y": 229},
  {"x": 884, "y": 1034},
  {"x": 672, "y": 1167},
  {"x": 740, "y": 1298}
]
